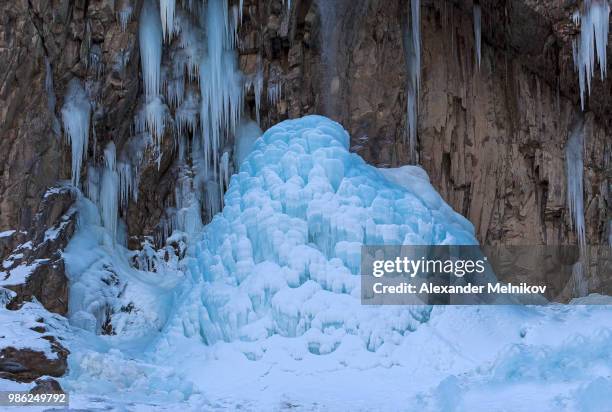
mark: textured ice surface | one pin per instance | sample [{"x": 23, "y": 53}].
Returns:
[{"x": 263, "y": 311}]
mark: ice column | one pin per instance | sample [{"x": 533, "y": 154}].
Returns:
[
  {"x": 75, "y": 116},
  {"x": 412, "y": 46},
  {"x": 150, "y": 34}
]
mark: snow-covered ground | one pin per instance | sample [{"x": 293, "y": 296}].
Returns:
[{"x": 263, "y": 312}]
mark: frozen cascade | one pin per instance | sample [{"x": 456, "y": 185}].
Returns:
[
  {"x": 75, "y": 116},
  {"x": 412, "y": 46},
  {"x": 166, "y": 8},
  {"x": 477, "y": 31},
  {"x": 150, "y": 36},
  {"x": 592, "y": 41},
  {"x": 273, "y": 280},
  {"x": 282, "y": 257},
  {"x": 574, "y": 162}
]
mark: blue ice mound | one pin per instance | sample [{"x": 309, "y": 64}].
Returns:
[{"x": 283, "y": 256}]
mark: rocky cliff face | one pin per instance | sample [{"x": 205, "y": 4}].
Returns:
[{"x": 492, "y": 137}]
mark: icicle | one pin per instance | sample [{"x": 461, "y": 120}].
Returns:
[
  {"x": 592, "y": 41},
  {"x": 151, "y": 119},
  {"x": 150, "y": 47},
  {"x": 128, "y": 184},
  {"x": 412, "y": 45},
  {"x": 75, "y": 116},
  {"x": 274, "y": 93},
  {"x": 574, "y": 153},
  {"x": 477, "y": 31},
  {"x": 166, "y": 8},
  {"x": 51, "y": 99},
  {"x": 187, "y": 114},
  {"x": 258, "y": 88},
  {"x": 124, "y": 13},
  {"x": 224, "y": 171},
  {"x": 109, "y": 192}
]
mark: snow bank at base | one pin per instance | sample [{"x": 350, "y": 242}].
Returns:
[{"x": 263, "y": 313}]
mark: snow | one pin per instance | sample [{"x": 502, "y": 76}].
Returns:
[
  {"x": 75, "y": 116},
  {"x": 477, "y": 31},
  {"x": 592, "y": 42},
  {"x": 7, "y": 233},
  {"x": 150, "y": 36},
  {"x": 17, "y": 329}
]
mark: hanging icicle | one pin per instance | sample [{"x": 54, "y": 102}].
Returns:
[
  {"x": 477, "y": 32},
  {"x": 75, "y": 116},
  {"x": 166, "y": 9},
  {"x": 574, "y": 155},
  {"x": 150, "y": 35}
]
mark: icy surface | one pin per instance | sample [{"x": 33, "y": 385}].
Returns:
[
  {"x": 75, "y": 116},
  {"x": 591, "y": 43}
]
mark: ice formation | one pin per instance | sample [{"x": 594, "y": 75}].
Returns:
[
  {"x": 282, "y": 258},
  {"x": 271, "y": 287},
  {"x": 76, "y": 112},
  {"x": 592, "y": 42},
  {"x": 150, "y": 36},
  {"x": 412, "y": 46},
  {"x": 574, "y": 163},
  {"x": 477, "y": 31},
  {"x": 221, "y": 86}
]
